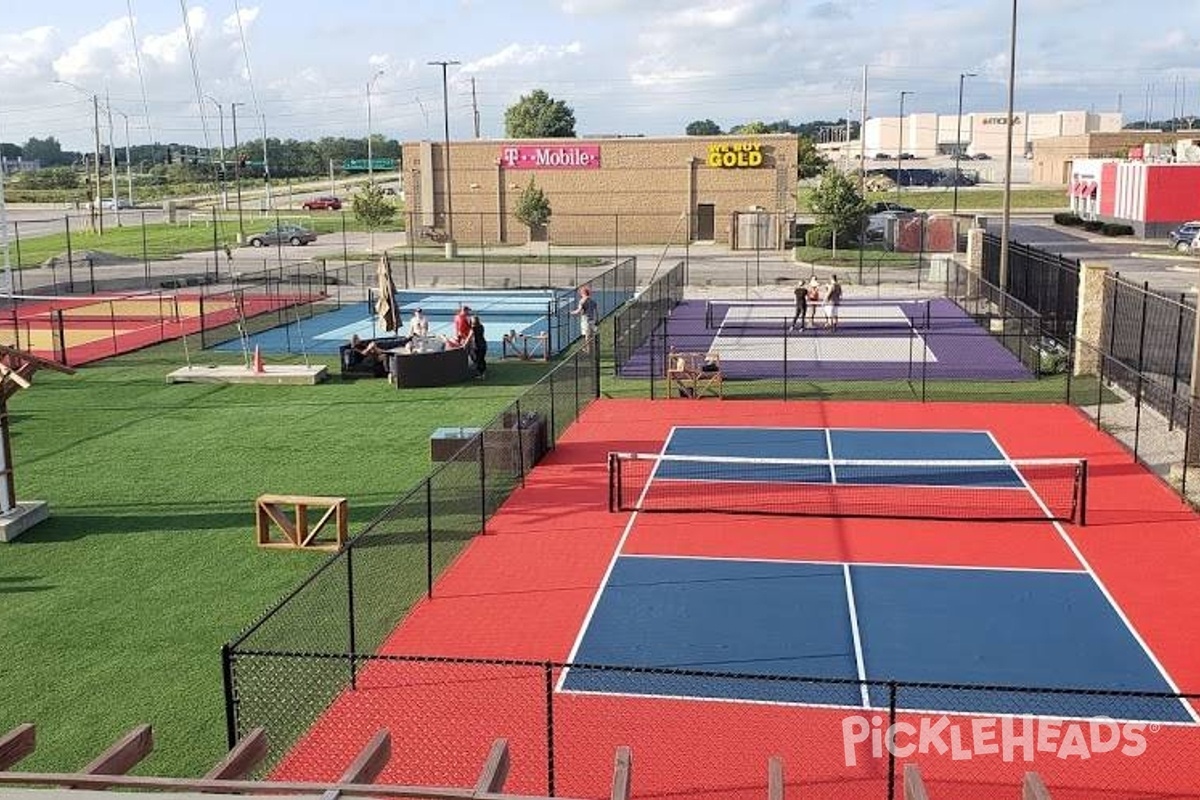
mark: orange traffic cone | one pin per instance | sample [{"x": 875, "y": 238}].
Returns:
[{"x": 258, "y": 363}]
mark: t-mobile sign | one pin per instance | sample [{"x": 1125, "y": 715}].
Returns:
[{"x": 554, "y": 156}]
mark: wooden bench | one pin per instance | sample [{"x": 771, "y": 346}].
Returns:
[
  {"x": 694, "y": 375},
  {"x": 298, "y": 533}
]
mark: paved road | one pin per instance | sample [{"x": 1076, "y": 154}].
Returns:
[{"x": 1139, "y": 260}]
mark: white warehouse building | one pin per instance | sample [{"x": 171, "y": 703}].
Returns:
[{"x": 929, "y": 135}]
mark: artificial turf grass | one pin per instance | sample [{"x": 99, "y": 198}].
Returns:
[{"x": 116, "y": 607}]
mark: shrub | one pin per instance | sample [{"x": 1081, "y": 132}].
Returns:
[
  {"x": 1116, "y": 229},
  {"x": 1067, "y": 218},
  {"x": 1093, "y": 225},
  {"x": 819, "y": 236}
]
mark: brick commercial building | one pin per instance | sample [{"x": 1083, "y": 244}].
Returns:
[{"x": 606, "y": 191}]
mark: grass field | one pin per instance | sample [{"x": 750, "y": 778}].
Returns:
[
  {"x": 970, "y": 199},
  {"x": 158, "y": 241},
  {"x": 116, "y": 608}
]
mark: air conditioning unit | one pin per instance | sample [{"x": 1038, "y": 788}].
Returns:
[{"x": 1187, "y": 153}]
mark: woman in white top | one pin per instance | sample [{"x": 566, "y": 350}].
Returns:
[{"x": 418, "y": 325}]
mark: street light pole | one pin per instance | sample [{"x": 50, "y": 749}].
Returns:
[
  {"x": 370, "y": 158},
  {"x": 446, "y": 153},
  {"x": 237, "y": 169},
  {"x": 900, "y": 146},
  {"x": 958, "y": 137},
  {"x": 221, "y": 172},
  {"x": 1006, "y": 217},
  {"x": 128, "y": 160}
]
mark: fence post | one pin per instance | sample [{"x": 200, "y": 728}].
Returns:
[
  {"x": 553, "y": 432},
  {"x": 890, "y": 742},
  {"x": 786, "y": 335},
  {"x": 429, "y": 536},
  {"x": 548, "y": 672},
  {"x": 1187, "y": 448},
  {"x": 520, "y": 443},
  {"x": 230, "y": 701},
  {"x": 595, "y": 394},
  {"x": 483, "y": 481},
  {"x": 1175, "y": 366},
  {"x": 350, "y": 612}
]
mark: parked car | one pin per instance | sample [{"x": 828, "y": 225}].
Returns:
[
  {"x": 1183, "y": 237},
  {"x": 882, "y": 157},
  {"x": 884, "y": 205},
  {"x": 292, "y": 234},
  {"x": 118, "y": 203},
  {"x": 982, "y": 157},
  {"x": 906, "y": 156},
  {"x": 322, "y": 204}
]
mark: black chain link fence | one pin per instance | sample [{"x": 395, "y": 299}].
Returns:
[
  {"x": 836, "y": 737},
  {"x": 633, "y": 324},
  {"x": 354, "y": 600}
]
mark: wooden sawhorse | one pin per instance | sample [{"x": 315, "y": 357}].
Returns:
[{"x": 296, "y": 530}]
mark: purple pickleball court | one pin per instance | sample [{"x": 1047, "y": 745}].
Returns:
[{"x": 875, "y": 340}]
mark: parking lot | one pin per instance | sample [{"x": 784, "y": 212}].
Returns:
[{"x": 1138, "y": 260}]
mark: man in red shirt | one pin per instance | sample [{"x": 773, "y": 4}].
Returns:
[{"x": 462, "y": 326}]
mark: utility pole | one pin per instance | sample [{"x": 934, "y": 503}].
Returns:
[
  {"x": 900, "y": 147},
  {"x": 475, "y": 107},
  {"x": 266, "y": 163},
  {"x": 962, "y": 76},
  {"x": 237, "y": 170},
  {"x": 221, "y": 171},
  {"x": 446, "y": 154},
  {"x": 370, "y": 157},
  {"x": 862, "y": 141}
]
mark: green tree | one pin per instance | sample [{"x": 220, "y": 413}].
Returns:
[
  {"x": 809, "y": 161},
  {"x": 372, "y": 207},
  {"x": 837, "y": 203},
  {"x": 48, "y": 151},
  {"x": 539, "y": 116},
  {"x": 703, "y": 127},
  {"x": 752, "y": 129},
  {"x": 533, "y": 207}
]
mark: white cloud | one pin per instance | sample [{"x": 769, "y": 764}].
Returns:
[
  {"x": 171, "y": 47},
  {"x": 26, "y": 55},
  {"x": 99, "y": 53},
  {"x": 229, "y": 25},
  {"x": 518, "y": 55}
]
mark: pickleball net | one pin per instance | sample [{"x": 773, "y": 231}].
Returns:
[
  {"x": 953, "y": 489},
  {"x": 902, "y": 315}
]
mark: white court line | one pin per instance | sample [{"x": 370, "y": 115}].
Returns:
[
  {"x": 830, "y": 428},
  {"x": 612, "y": 563},
  {"x": 883, "y": 709},
  {"x": 829, "y": 455},
  {"x": 858, "y": 650},
  {"x": 1112, "y": 601}
]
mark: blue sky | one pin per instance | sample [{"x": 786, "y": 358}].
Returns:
[{"x": 625, "y": 66}]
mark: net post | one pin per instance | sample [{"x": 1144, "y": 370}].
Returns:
[
  {"x": 612, "y": 482},
  {"x": 1083, "y": 483}
]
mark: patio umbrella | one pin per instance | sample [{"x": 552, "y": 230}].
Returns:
[{"x": 385, "y": 305}]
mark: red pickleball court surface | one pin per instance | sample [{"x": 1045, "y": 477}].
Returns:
[{"x": 525, "y": 591}]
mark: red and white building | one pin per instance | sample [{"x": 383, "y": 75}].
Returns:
[{"x": 1154, "y": 198}]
